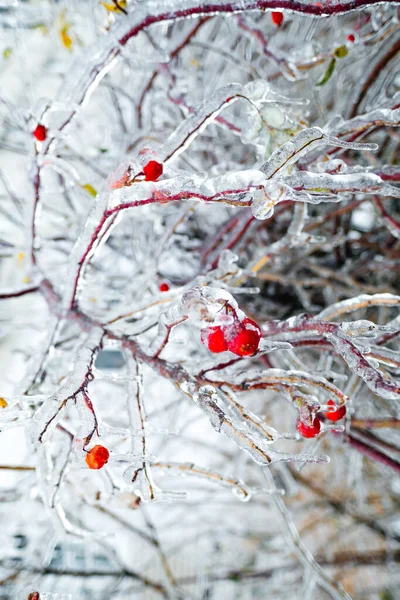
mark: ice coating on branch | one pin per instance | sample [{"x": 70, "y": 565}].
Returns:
[
  {"x": 195, "y": 124},
  {"x": 368, "y": 183},
  {"x": 303, "y": 143},
  {"x": 382, "y": 385},
  {"x": 261, "y": 92},
  {"x": 347, "y": 339},
  {"x": 145, "y": 488},
  {"x": 46, "y": 417},
  {"x": 381, "y": 116},
  {"x": 233, "y": 189},
  {"x": 251, "y": 442},
  {"x": 275, "y": 191},
  {"x": 364, "y": 329},
  {"x": 230, "y": 188},
  {"x": 389, "y": 358},
  {"x": 51, "y": 596},
  {"x": 251, "y": 421},
  {"x": 364, "y": 300},
  {"x": 291, "y": 379}
]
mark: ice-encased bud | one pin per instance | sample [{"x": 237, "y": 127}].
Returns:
[
  {"x": 227, "y": 261},
  {"x": 273, "y": 116},
  {"x": 125, "y": 172},
  {"x": 257, "y": 91},
  {"x": 203, "y": 305},
  {"x": 262, "y": 206},
  {"x": 266, "y": 199}
]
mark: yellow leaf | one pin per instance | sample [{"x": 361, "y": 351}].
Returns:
[
  {"x": 65, "y": 37},
  {"x": 7, "y": 52},
  {"x": 3, "y": 403},
  {"x": 122, "y": 4},
  {"x": 90, "y": 190}
]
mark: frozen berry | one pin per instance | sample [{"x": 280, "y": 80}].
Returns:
[
  {"x": 277, "y": 18},
  {"x": 97, "y": 457},
  {"x": 351, "y": 38},
  {"x": 308, "y": 430},
  {"x": 244, "y": 338},
  {"x": 164, "y": 287},
  {"x": 152, "y": 170},
  {"x": 40, "y": 133},
  {"x": 213, "y": 338},
  {"x": 337, "y": 414}
]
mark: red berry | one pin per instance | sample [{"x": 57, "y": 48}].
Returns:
[
  {"x": 213, "y": 338},
  {"x": 40, "y": 133},
  {"x": 164, "y": 287},
  {"x": 351, "y": 38},
  {"x": 243, "y": 338},
  {"x": 308, "y": 431},
  {"x": 336, "y": 414},
  {"x": 152, "y": 170},
  {"x": 97, "y": 457},
  {"x": 277, "y": 18}
]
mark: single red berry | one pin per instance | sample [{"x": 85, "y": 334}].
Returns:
[
  {"x": 97, "y": 457},
  {"x": 308, "y": 431},
  {"x": 152, "y": 170},
  {"x": 40, "y": 133},
  {"x": 336, "y": 414},
  {"x": 277, "y": 18},
  {"x": 351, "y": 38},
  {"x": 164, "y": 287},
  {"x": 244, "y": 338},
  {"x": 214, "y": 339}
]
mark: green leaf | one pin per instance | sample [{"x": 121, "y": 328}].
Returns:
[
  {"x": 7, "y": 52},
  {"x": 341, "y": 52},
  {"x": 386, "y": 595},
  {"x": 328, "y": 73}
]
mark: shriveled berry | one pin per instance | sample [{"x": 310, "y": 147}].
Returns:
[
  {"x": 152, "y": 170},
  {"x": 214, "y": 339},
  {"x": 277, "y": 18},
  {"x": 97, "y": 457},
  {"x": 351, "y": 38},
  {"x": 164, "y": 287},
  {"x": 308, "y": 430},
  {"x": 243, "y": 338},
  {"x": 336, "y": 414},
  {"x": 40, "y": 133}
]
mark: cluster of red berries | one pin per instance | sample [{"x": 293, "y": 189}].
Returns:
[
  {"x": 240, "y": 337},
  {"x": 97, "y": 457},
  {"x": 312, "y": 429}
]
